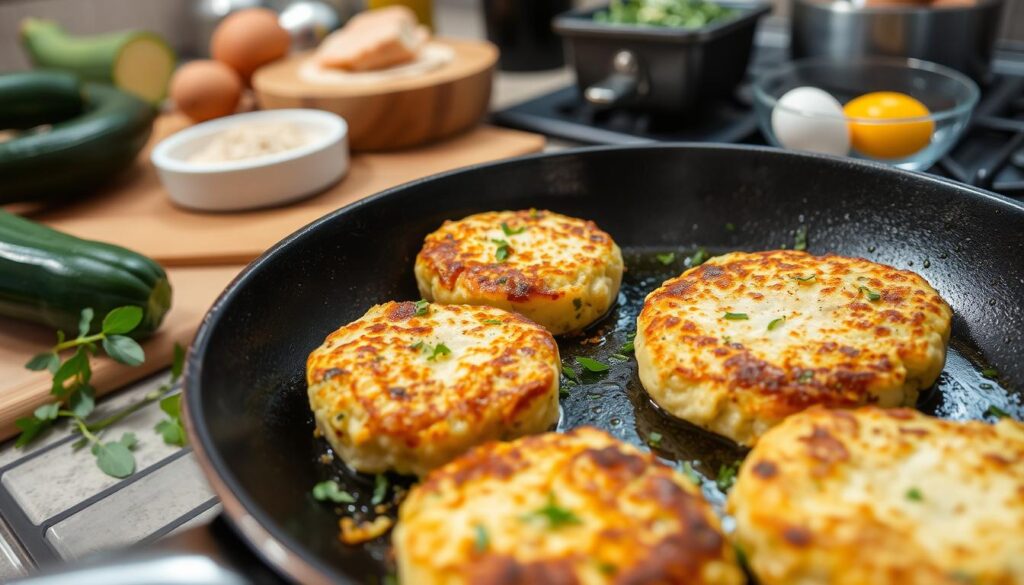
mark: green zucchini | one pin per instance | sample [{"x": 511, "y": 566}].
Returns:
[
  {"x": 34, "y": 98},
  {"x": 76, "y": 155},
  {"x": 138, "y": 62},
  {"x": 48, "y": 277}
]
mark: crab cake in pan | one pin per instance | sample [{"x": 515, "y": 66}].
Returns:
[
  {"x": 883, "y": 496},
  {"x": 561, "y": 272},
  {"x": 580, "y": 507},
  {"x": 746, "y": 339},
  {"x": 409, "y": 386}
]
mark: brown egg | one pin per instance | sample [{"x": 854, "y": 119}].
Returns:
[
  {"x": 206, "y": 89},
  {"x": 249, "y": 39}
]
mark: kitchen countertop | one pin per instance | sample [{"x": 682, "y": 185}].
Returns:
[{"x": 64, "y": 508}]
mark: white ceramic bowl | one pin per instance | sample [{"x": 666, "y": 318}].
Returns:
[{"x": 256, "y": 182}]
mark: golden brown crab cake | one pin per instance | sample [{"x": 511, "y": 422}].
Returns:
[
  {"x": 409, "y": 386},
  {"x": 883, "y": 496},
  {"x": 580, "y": 507},
  {"x": 748, "y": 338},
  {"x": 559, "y": 271}
]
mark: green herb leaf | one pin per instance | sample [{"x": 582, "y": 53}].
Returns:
[
  {"x": 330, "y": 491},
  {"x": 800, "y": 240},
  {"x": 422, "y": 306},
  {"x": 805, "y": 278},
  {"x": 85, "y": 322},
  {"x": 990, "y": 373},
  {"x": 776, "y": 323},
  {"x": 76, "y": 366},
  {"x": 492, "y": 322},
  {"x": 82, "y": 401},
  {"x": 592, "y": 365},
  {"x": 555, "y": 515},
  {"x": 666, "y": 258},
  {"x": 805, "y": 376},
  {"x": 654, "y": 439},
  {"x": 440, "y": 350},
  {"x": 619, "y": 357},
  {"x": 114, "y": 458},
  {"x": 730, "y": 227},
  {"x": 31, "y": 427},
  {"x": 481, "y": 540},
  {"x": 171, "y": 405},
  {"x": 915, "y": 495},
  {"x": 501, "y": 254},
  {"x": 129, "y": 440},
  {"x": 124, "y": 349},
  {"x": 177, "y": 363},
  {"x": 687, "y": 469},
  {"x": 122, "y": 320},
  {"x": 996, "y": 412},
  {"x": 736, "y": 316},
  {"x": 628, "y": 347},
  {"x": 697, "y": 258},
  {"x": 171, "y": 431},
  {"x": 512, "y": 232},
  {"x": 43, "y": 361},
  {"x": 569, "y": 372},
  {"x": 47, "y": 411},
  {"x": 380, "y": 488},
  {"x": 872, "y": 295},
  {"x": 727, "y": 475}
]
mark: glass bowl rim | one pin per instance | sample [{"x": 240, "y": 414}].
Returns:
[{"x": 973, "y": 91}]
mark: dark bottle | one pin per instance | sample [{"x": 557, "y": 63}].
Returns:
[{"x": 522, "y": 31}]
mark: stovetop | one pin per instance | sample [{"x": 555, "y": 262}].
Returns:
[{"x": 990, "y": 155}]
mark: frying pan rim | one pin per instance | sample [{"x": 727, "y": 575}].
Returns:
[{"x": 279, "y": 549}]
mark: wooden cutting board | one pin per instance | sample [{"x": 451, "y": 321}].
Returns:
[
  {"x": 22, "y": 391},
  {"x": 136, "y": 212}
]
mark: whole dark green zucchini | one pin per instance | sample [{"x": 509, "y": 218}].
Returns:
[
  {"x": 76, "y": 155},
  {"x": 33, "y": 98},
  {"x": 48, "y": 277}
]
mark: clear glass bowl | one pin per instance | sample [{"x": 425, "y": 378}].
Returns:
[{"x": 949, "y": 96}]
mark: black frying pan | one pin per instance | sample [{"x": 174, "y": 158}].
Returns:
[{"x": 245, "y": 391}]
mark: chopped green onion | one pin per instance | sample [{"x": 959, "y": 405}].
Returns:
[
  {"x": 512, "y": 232},
  {"x": 330, "y": 491},
  {"x": 996, "y": 412},
  {"x": 568, "y": 371},
  {"x": 800, "y": 240},
  {"x": 654, "y": 439},
  {"x": 492, "y": 322},
  {"x": 727, "y": 475},
  {"x": 697, "y": 258},
  {"x": 990, "y": 373},
  {"x": 915, "y": 495},
  {"x": 592, "y": 365},
  {"x": 872, "y": 295},
  {"x": 666, "y": 258},
  {"x": 776, "y": 323},
  {"x": 422, "y": 306},
  {"x": 482, "y": 540},
  {"x": 805, "y": 376},
  {"x": 439, "y": 350},
  {"x": 501, "y": 253},
  {"x": 805, "y": 278},
  {"x": 555, "y": 515},
  {"x": 691, "y": 473},
  {"x": 380, "y": 489},
  {"x": 736, "y": 316}
]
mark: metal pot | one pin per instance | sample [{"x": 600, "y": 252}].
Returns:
[
  {"x": 659, "y": 69},
  {"x": 961, "y": 37}
]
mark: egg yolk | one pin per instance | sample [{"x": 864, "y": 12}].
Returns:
[{"x": 888, "y": 139}]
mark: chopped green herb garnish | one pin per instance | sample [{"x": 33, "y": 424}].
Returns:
[
  {"x": 990, "y": 373},
  {"x": 872, "y": 295},
  {"x": 577, "y": 304},
  {"x": 915, "y": 495},
  {"x": 492, "y": 322},
  {"x": 592, "y": 365},
  {"x": 380, "y": 488},
  {"x": 736, "y": 316},
  {"x": 730, "y": 227},
  {"x": 666, "y": 258},
  {"x": 569, "y": 372},
  {"x": 654, "y": 439},
  {"x": 481, "y": 540},
  {"x": 417, "y": 346},
  {"x": 687, "y": 469},
  {"x": 440, "y": 350},
  {"x": 607, "y": 568},
  {"x": 422, "y": 306},
  {"x": 555, "y": 515},
  {"x": 800, "y": 239},
  {"x": 697, "y": 258},
  {"x": 619, "y": 357},
  {"x": 997, "y": 412},
  {"x": 628, "y": 346},
  {"x": 664, "y": 13},
  {"x": 805, "y": 376},
  {"x": 727, "y": 475},
  {"x": 776, "y": 323},
  {"x": 563, "y": 390},
  {"x": 330, "y": 491},
  {"x": 805, "y": 278},
  {"x": 501, "y": 253},
  {"x": 512, "y": 232}
]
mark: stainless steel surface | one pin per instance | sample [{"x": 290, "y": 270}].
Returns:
[
  {"x": 961, "y": 37},
  {"x": 308, "y": 22},
  {"x": 624, "y": 81}
]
